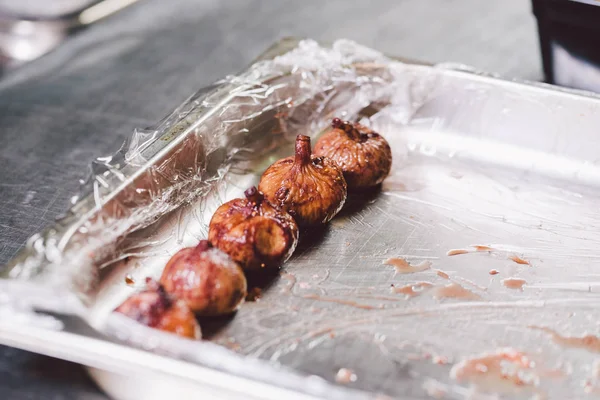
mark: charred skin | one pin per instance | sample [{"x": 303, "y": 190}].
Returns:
[
  {"x": 155, "y": 308},
  {"x": 363, "y": 155},
  {"x": 311, "y": 189},
  {"x": 206, "y": 279},
  {"x": 253, "y": 232}
]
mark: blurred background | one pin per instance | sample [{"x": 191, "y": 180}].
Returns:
[{"x": 78, "y": 76}]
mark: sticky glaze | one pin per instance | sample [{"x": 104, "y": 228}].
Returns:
[
  {"x": 454, "y": 291},
  {"x": 587, "y": 342},
  {"x": 514, "y": 283},
  {"x": 404, "y": 267}
]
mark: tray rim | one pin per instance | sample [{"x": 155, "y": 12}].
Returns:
[{"x": 37, "y": 339}]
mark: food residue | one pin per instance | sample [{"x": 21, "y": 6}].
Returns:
[
  {"x": 456, "y": 252},
  {"x": 587, "y": 342},
  {"x": 477, "y": 247},
  {"x": 483, "y": 248},
  {"x": 514, "y": 283},
  {"x": 519, "y": 260},
  {"x": 129, "y": 280},
  {"x": 503, "y": 370},
  {"x": 442, "y": 274},
  {"x": 403, "y": 267},
  {"x": 494, "y": 272},
  {"x": 455, "y": 291},
  {"x": 345, "y": 375},
  {"x": 414, "y": 289}
]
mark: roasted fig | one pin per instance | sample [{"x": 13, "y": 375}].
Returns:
[
  {"x": 155, "y": 308},
  {"x": 312, "y": 189},
  {"x": 363, "y": 155},
  {"x": 253, "y": 232},
  {"x": 207, "y": 279}
]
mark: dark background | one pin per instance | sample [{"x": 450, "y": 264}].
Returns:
[{"x": 83, "y": 99}]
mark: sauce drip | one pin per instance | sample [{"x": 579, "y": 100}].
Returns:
[
  {"x": 519, "y": 260},
  {"x": 494, "y": 272},
  {"x": 514, "y": 283},
  {"x": 506, "y": 370},
  {"x": 412, "y": 290},
  {"x": 403, "y": 267},
  {"x": 442, "y": 274},
  {"x": 454, "y": 291},
  {"x": 456, "y": 252},
  {"x": 483, "y": 248},
  {"x": 588, "y": 342}
]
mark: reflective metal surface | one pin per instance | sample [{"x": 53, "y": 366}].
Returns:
[
  {"x": 470, "y": 272},
  {"x": 28, "y": 31}
]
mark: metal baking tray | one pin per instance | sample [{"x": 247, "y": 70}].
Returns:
[{"x": 472, "y": 272}]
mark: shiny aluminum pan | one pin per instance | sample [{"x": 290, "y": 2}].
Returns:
[{"x": 489, "y": 215}]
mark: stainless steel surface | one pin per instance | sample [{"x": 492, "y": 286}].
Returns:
[
  {"x": 85, "y": 98},
  {"x": 28, "y": 31},
  {"x": 41, "y": 9},
  {"x": 478, "y": 161}
]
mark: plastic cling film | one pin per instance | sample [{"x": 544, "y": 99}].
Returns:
[{"x": 190, "y": 153}]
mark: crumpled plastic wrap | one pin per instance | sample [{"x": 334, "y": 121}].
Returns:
[
  {"x": 471, "y": 271},
  {"x": 222, "y": 129},
  {"x": 188, "y": 154}
]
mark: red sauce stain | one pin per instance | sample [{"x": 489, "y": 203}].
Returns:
[
  {"x": 588, "y": 342},
  {"x": 455, "y": 291},
  {"x": 456, "y": 252},
  {"x": 514, "y": 283},
  {"x": 494, "y": 272},
  {"x": 483, "y": 248},
  {"x": 505, "y": 370},
  {"x": 519, "y": 260},
  {"x": 404, "y": 267},
  {"x": 412, "y": 290},
  {"x": 442, "y": 274}
]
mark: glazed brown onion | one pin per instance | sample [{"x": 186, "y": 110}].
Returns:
[
  {"x": 363, "y": 155},
  {"x": 155, "y": 308},
  {"x": 253, "y": 232},
  {"x": 207, "y": 279},
  {"x": 312, "y": 189}
]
